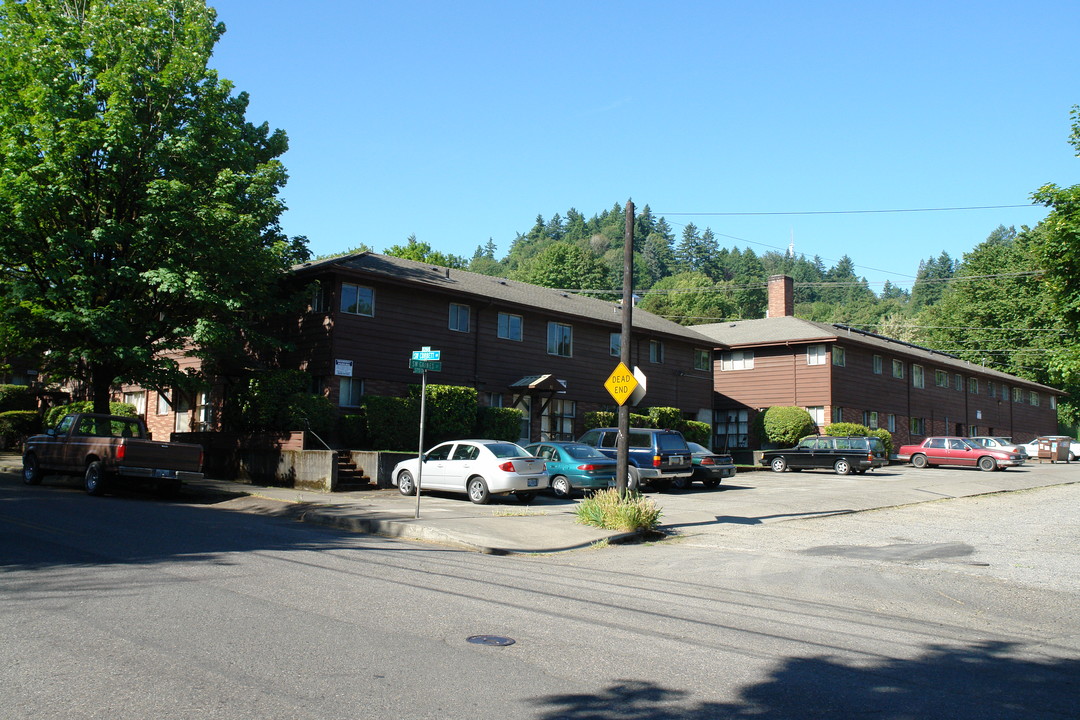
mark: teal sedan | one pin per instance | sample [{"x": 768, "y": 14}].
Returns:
[{"x": 573, "y": 466}]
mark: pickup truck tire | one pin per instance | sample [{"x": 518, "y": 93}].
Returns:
[
  {"x": 31, "y": 473},
  {"x": 94, "y": 481}
]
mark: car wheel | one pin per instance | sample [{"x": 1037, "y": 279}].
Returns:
[
  {"x": 478, "y": 491},
  {"x": 842, "y": 467},
  {"x": 560, "y": 485},
  {"x": 525, "y": 497},
  {"x": 31, "y": 473},
  {"x": 987, "y": 463},
  {"x": 405, "y": 483},
  {"x": 682, "y": 483},
  {"x": 94, "y": 480},
  {"x": 778, "y": 464},
  {"x": 711, "y": 483},
  {"x": 633, "y": 480},
  {"x": 1072, "y": 457},
  {"x": 919, "y": 461}
]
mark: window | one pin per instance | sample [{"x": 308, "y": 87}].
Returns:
[
  {"x": 990, "y": 389},
  {"x": 557, "y": 422},
  {"x": 349, "y": 391},
  {"x": 918, "y": 426},
  {"x": 204, "y": 412},
  {"x": 509, "y": 326},
  {"x": 656, "y": 351},
  {"x": 494, "y": 400},
  {"x": 815, "y": 354},
  {"x": 702, "y": 359},
  {"x": 973, "y": 386},
  {"x": 898, "y": 369},
  {"x": 138, "y": 399},
  {"x": 737, "y": 360},
  {"x": 917, "y": 379},
  {"x": 560, "y": 339},
  {"x": 818, "y": 413},
  {"x": 877, "y": 364},
  {"x": 318, "y": 299},
  {"x": 732, "y": 429},
  {"x": 1018, "y": 395},
  {"x": 869, "y": 419},
  {"x": 838, "y": 414},
  {"x": 615, "y": 344},
  {"x": 1053, "y": 402},
  {"x": 1033, "y": 398},
  {"x": 891, "y": 420},
  {"x": 958, "y": 382},
  {"x": 163, "y": 406},
  {"x": 941, "y": 378},
  {"x": 459, "y": 317},
  {"x": 357, "y": 300},
  {"x": 839, "y": 358}
]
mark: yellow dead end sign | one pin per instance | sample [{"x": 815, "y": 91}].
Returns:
[{"x": 621, "y": 383}]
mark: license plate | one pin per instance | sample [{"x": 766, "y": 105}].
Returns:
[
  {"x": 533, "y": 482},
  {"x": 677, "y": 460},
  {"x": 160, "y": 473}
]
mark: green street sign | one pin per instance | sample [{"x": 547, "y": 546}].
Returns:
[{"x": 422, "y": 365}]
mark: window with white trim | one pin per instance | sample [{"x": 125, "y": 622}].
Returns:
[
  {"x": 656, "y": 351},
  {"x": 138, "y": 399},
  {"x": 818, "y": 413},
  {"x": 702, "y": 359},
  {"x": 737, "y": 360},
  {"x": 350, "y": 390},
  {"x": 615, "y": 344},
  {"x": 1033, "y": 398},
  {"x": 877, "y": 364},
  {"x": 869, "y": 419},
  {"x": 838, "y": 414},
  {"x": 973, "y": 386},
  {"x": 891, "y": 423},
  {"x": 732, "y": 429},
  {"x": 459, "y": 317},
  {"x": 918, "y": 426},
  {"x": 557, "y": 422},
  {"x": 917, "y": 376},
  {"x": 560, "y": 339},
  {"x": 941, "y": 378},
  {"x": 898, "y": 369},
  {"x": 509, "y": 326},
  {"x": 357, "y": 300},
  {"x": 958, "y": 382},
  {"x": 815, "y": 354},
  {"x": 839, "y": 357}
]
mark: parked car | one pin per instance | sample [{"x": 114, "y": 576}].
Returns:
[
  {"x": 478, "y": 468},
  {"x": 1001, "y": 443},
  {"x": 709, "y": 467},
  {"x": 655, "y": 457},
  {"x": 573, "y": 466},
  {"x": 1032, "y": 448},
  {"x": 842, "y": 455},
  {"x": 957, "y": 451}
]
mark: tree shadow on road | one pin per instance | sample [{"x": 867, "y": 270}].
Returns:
[{"x": 985, "y": 681}]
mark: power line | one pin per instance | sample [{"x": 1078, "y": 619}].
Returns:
[{"x": 846, "y": 212}]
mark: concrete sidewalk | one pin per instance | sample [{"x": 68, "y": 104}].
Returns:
[{"x": 549, "y": 524}]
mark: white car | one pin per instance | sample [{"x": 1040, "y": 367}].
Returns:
[
  {"x": 1032, "y": 448},
  {"x": 1002, "y": 443},
  {"x": 478, "y": 468}
]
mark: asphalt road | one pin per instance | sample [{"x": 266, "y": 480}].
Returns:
[{"x": 131, "y": 607}]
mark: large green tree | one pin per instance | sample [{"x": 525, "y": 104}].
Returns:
[{"x": 138, "y": 207}]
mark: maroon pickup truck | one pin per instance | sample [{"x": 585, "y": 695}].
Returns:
[{"x": 109, "y": 448}]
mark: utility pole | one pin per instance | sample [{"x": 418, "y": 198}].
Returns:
[{"x": 622, "y": 454}]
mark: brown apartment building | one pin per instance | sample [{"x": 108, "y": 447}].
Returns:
[
  {"x": 539, "y": 349},
  {"x": 840, "y": 374}
]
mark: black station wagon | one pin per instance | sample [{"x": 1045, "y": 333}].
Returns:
[{"x": 842, "y": 455}]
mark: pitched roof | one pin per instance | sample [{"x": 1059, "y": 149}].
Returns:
[
  {"x": 510, "y": 292},
  {"x": 790, "y": 329}
]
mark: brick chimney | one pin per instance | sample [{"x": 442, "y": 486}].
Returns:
[{"x": 781, "y": 296}]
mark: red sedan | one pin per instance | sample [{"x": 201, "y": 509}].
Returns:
[{"x": 957, "y": 451}]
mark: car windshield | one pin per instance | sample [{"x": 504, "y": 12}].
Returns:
[
  {"x": 695, "y": 448},
  {"x": 583, "y": 452},
  {"x": 1004, "y": 441},
  {"x": 972, "y": 444},
  {"x": 506, "y": 450}
]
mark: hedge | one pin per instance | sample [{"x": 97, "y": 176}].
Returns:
[
  {"x": 16, "y": 397},
  {"x": 843, "y": 428},
  {"x": 784, "y": 425},
  {"x": 53, "y": 416},
  {"x": 16, "y": 426}
]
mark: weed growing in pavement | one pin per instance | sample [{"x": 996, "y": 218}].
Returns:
[
  {"x": 523, "y": 512},
  {"x": 607, "y": 509}
]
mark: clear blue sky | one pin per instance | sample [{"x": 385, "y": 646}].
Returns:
[{"x": 463, "y": 121}]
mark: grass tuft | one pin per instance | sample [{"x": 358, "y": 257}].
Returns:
[{"x": 607, "y": 509}]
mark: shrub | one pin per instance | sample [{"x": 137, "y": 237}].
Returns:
[
  {"x": 667, "y": 418},
  {"x": 600, "y": 419},
  {"x": 498, "y": 423},
  {"x": 607, "y": 509},
  {"x": 392, "y": 423},
  {"x": 16, "y": 397},
  {"x": 274, "y": 401},
  {"x": 16, "y": 426},
  {"x": 695, "y": 431},
  {"x": 53, "y": 416},
  {"x": 841, "y": 429},
  {"x": 784, "y": 425},
  {"x": 451, "y": 412}
]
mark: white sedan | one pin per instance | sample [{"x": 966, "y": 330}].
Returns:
[
  {"x": 478, "y": 468},
  {"x": 1032, "y": 448}
]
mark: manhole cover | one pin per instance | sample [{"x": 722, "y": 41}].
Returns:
[{"x": 490, "y": 640}]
